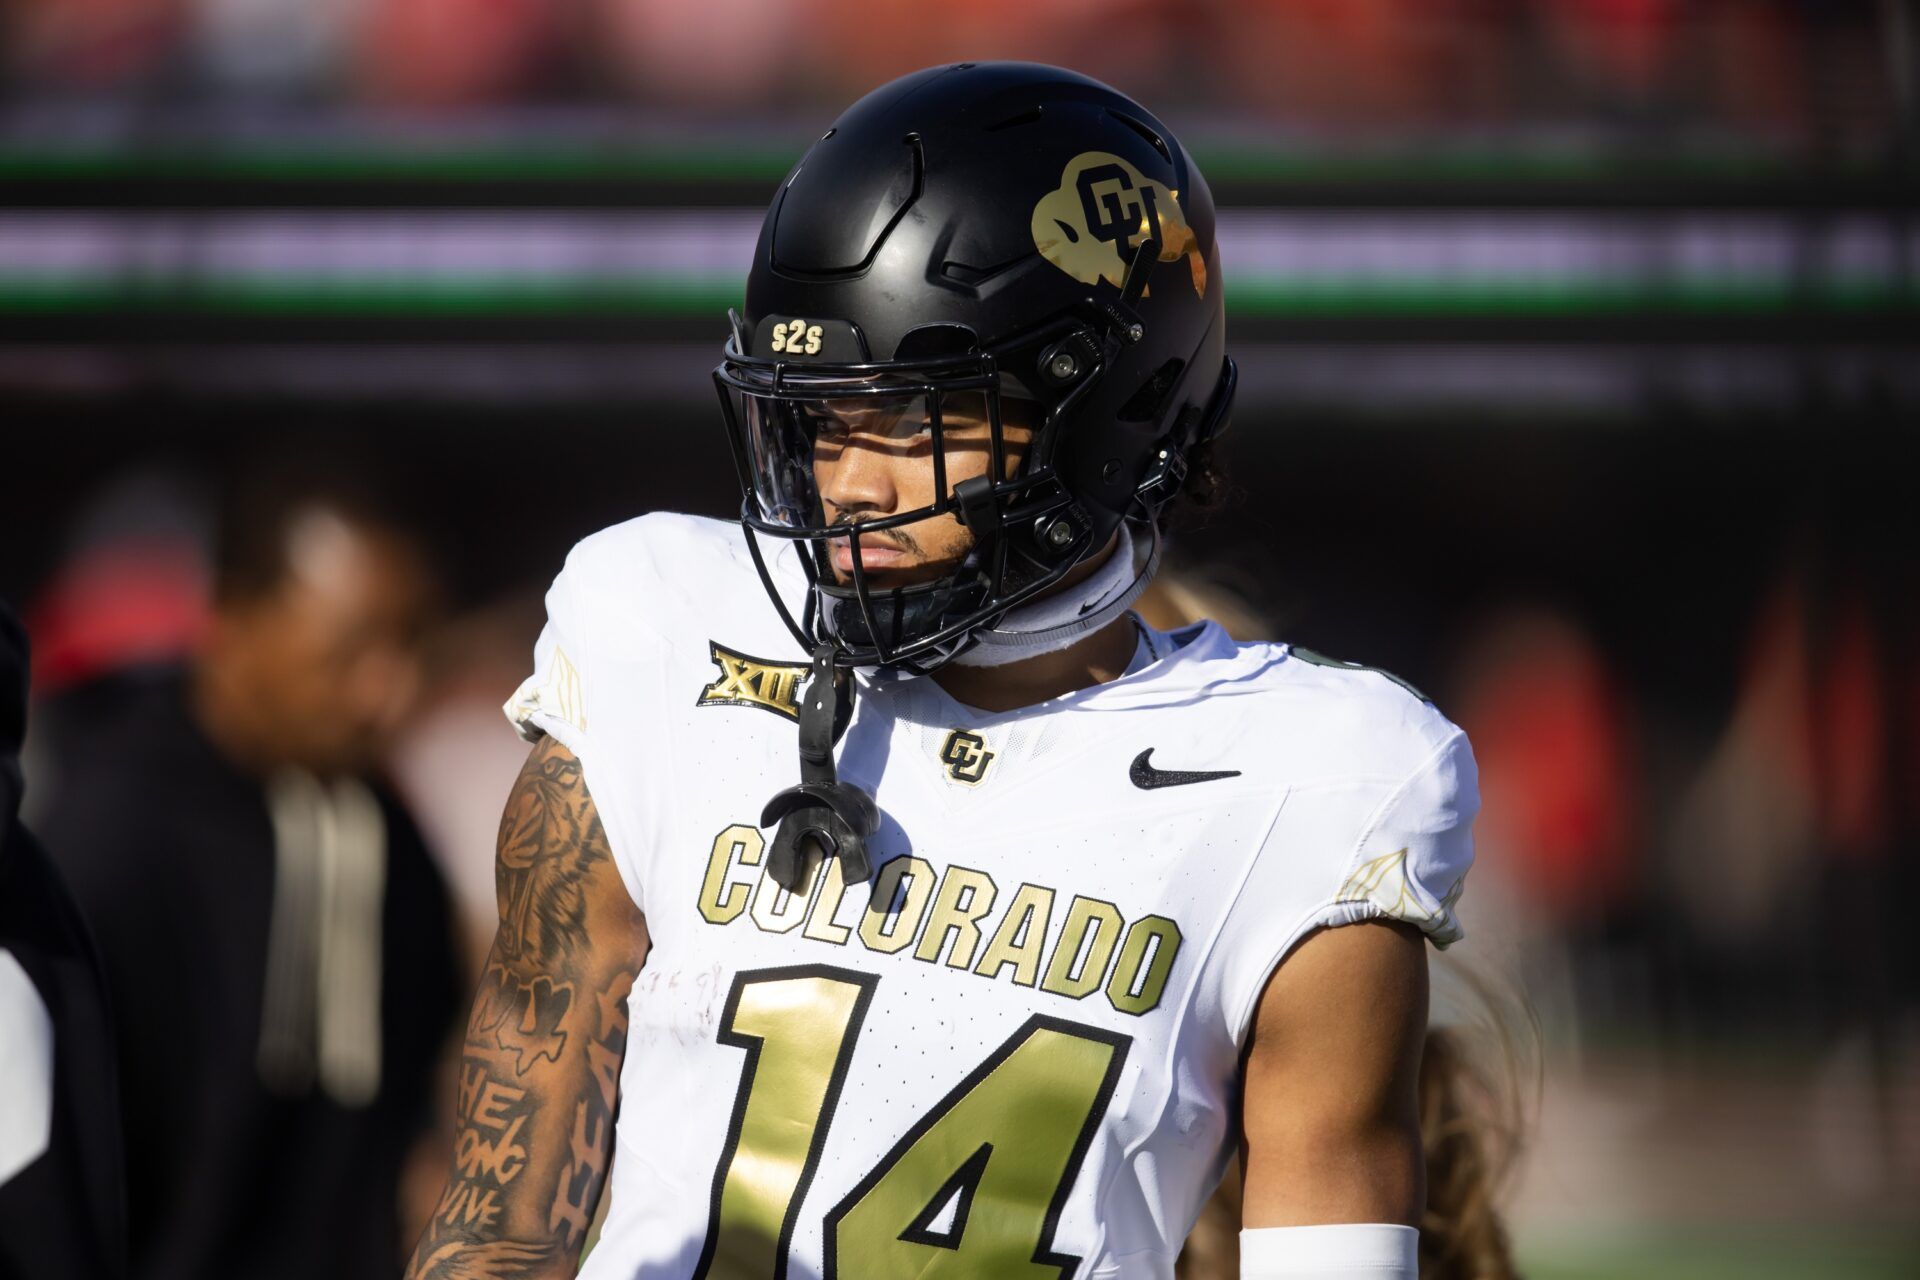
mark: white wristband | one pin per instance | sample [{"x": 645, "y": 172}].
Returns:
[{"x": 1357, "y": 1251}]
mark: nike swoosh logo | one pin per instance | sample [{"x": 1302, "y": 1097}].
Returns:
[{"x": 1144, "y": 776}]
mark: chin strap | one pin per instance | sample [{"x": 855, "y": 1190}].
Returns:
[
  {"x": 1056, "y": 621},
  {"x": 823, "y": 817}
]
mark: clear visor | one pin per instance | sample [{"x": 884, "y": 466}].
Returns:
[{"x": 866, "y": 451}]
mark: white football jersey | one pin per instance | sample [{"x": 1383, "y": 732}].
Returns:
[{"x": 1016, "y": 1052}]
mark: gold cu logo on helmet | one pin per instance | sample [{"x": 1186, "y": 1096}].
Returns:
[
  {"x": 966, "y": 757},
  {"x": 1103, "y": 209}
]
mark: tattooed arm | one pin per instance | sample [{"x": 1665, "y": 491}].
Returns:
[{"x": 544, "y": 1044}]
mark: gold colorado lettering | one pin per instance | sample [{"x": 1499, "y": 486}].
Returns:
[{"x": 952, "y": 916}]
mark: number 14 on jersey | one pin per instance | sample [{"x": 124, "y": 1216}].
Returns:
[{"x": 974, "y": 1189}]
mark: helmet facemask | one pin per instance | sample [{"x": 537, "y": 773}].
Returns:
[{"x": 988, "y": 472}]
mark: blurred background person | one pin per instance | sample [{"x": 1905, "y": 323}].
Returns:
[
  {"x": 124, "y": 608},
  {"x": 62, "y": 1201},
  {"x": 276, "y": 941},
  {"x": 450, "y": 759}
]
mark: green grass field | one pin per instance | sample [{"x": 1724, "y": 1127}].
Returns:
[{"x": 1726, "y": 1254}]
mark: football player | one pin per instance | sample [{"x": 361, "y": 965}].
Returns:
[{"x": 1060, "y": 908}]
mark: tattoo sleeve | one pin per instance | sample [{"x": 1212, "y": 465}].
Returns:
[{"x": 541, "y": 1067}]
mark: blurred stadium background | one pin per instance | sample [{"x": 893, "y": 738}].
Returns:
[{"x": 1579, "y": 353}]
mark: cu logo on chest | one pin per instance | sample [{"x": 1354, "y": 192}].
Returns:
[{"x": 965, "y": 757}]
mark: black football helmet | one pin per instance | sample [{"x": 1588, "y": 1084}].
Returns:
[{"x": 962, "y": 237}]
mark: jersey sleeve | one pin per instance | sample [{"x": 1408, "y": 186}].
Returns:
[
  {"x": 1410, "y": 863},
  {"x": 552, "y": 701},
  {"x": 1368, "y": 849},
  {"x": 556, "y": 701}
]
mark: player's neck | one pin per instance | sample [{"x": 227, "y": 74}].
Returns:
[{"x": 1093, "y": 659}]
